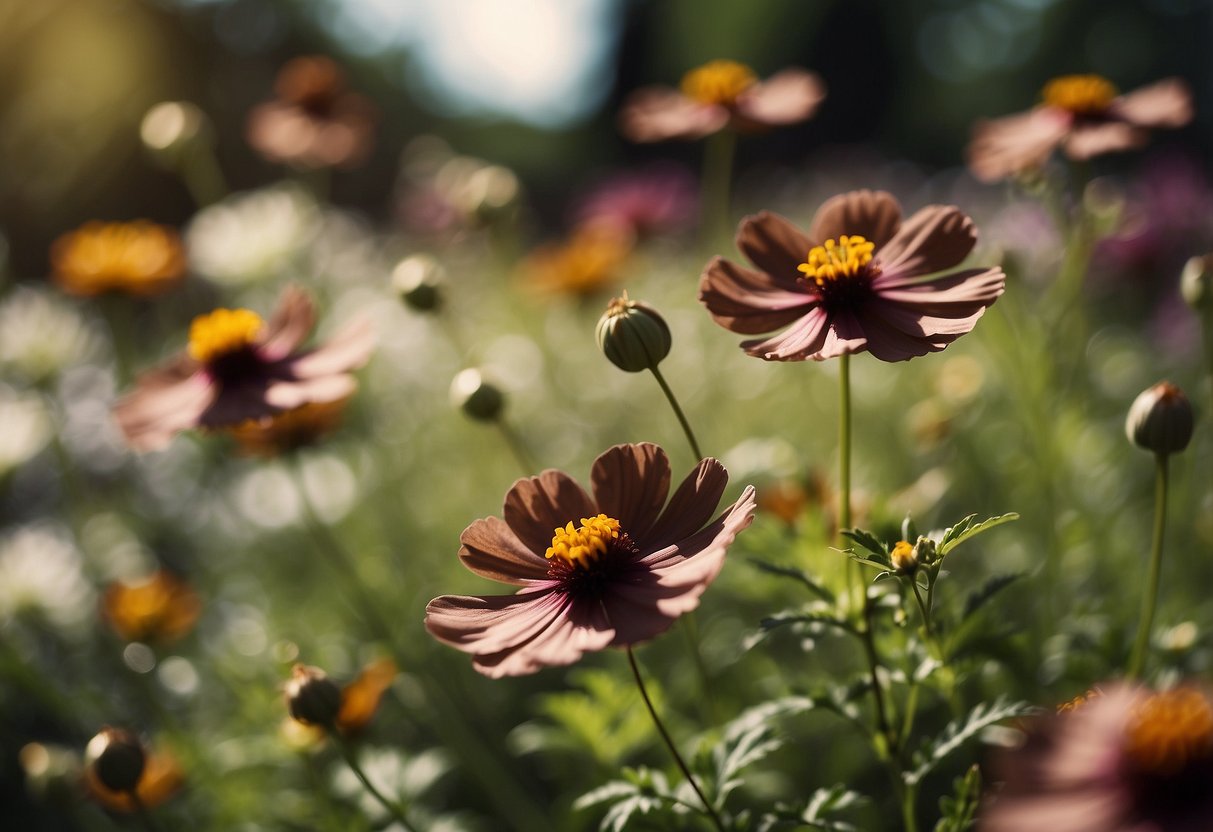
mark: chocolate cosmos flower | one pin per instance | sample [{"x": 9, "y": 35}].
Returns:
[
  {"x": 238, "y": 368},
  {"x": 1081, "y": 114},
  {"x": 611, "y": 569},
  {"x": 717, "y": 95},
  {"x": 1126, "y": 760},
  {"x": 858, "y": 280}
]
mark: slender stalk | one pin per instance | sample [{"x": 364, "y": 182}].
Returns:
[
  {"x": 669, "y": 743},
  {"x": 908, "y": 819},
  {"x": 682, "y": 419},
  {"x": 844, "y": 468},
  {"x": 869, "y": 649},
  {"x": 393, "y": 808},
  {"x": 203, "y": 177},
  {"x": 145, "y": 817},
  {"x": 1138, "y": 656},
  {"x": 922, "y": 608},
  {"x": 717, "y": 176},
  {"x": 518, "y": 448}
]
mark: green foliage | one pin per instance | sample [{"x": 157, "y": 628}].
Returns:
[
  {"x": 958, "y": 811},
  {"x": 958, "y": 732}
]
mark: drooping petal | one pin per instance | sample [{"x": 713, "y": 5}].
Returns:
[
  {"x": 290, "y": 324},
  {"x": 1167, "y": 103},
  {"x": 492, "y": 550},
  {"x": 345, "y": 351},
  {"x": 655, "y": 114},
  {"x": 935, "y": 238},
  {"x": 957, "y": 319},
  {"x": 536, "y": 506},
  {"x": 234, "y": 404},
  {"x": 748, "y": 302},
  {"x": 691, "y": 506},
  {"x": 803, "y": 338},
  {"x": 787, "y": 97},
  {"x": 164, "y": 403},
  {"x": 947, "y": 294},
  {"x": 630, "y": 484},
  {"x": 843, "y": 336},
  {"x": 1003, "y": 147},
  {"x": 873, "y": 215},
  {"x": 889, "y": 343},
  {"x": 775, "y": 246},
  {"x": 1089, "y": 140}
]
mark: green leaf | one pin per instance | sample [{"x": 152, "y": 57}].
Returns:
[
  {"x": 988, "y": 590},
  {"x": 868, "y": 541},
  {"x": 796, "y": 574},
  {"x": 642, "y": 791},
  {"x": 959, "y": 812},
  {"x": 749, "y": 738},
  {"x": 812, "y": 614},
  {"x": 967, "y": 529},
  {"x": 958, "y": 732}
]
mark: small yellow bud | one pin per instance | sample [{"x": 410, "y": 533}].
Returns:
[{"x": 904, "y": 558}]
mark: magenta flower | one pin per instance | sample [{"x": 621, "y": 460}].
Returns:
[
  {"x": 1081, "y": 114},
  {"x": 860, "y": 279},
  {"x": 607, "y": 570},
  {"x": 1125, "y": 760},
  {"x": 652, "y": 200},
  {"x": 238, "y": 368},
  {"x": 717, "y": 95}
]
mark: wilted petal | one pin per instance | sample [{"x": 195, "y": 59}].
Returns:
[
  {"x": 655, "y": 114},
  {"x": 749, "y": 302},
  {"x": 290, "y": 324},
  {"x": 536, "y": 506},
  {"x": 1090, "y": 140},
  {"x": 630, "y": 484},
  {"x": 933, "y": 239},
  {"x": 164, "y": 403},
  {"x": 692, "y": 505},
  {"x": 774, "y": 245},
  {"x": 1167, "y": 103},
  {"x": 360, "y": 698},
  {"x": 787, "y": 97},
  {"x": 803, "y": 338},
  {"x": 1006, "y": 146},
  {"x": 492, "y": 550},
  {"x": 873, "y": 215},
  {"x": 347, "y": 350}
]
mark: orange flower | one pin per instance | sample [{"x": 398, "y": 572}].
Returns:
[
  {"x": 360, "y": 698},
  {"x": 290, "y": 430},
  {"x": 137, "y": 258},
  {"x": 162, "y": 778},
  {"x": 160, "y": 607},
  {"x": 588, "y": 261}
]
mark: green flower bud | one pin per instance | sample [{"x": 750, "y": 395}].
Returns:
[
  {"x": 117, "y": 757},
  {"x": 478, "y": 399},
  {"x": 924, "y": 550},
  {"x": 1160, "y": 419},
  {"x": 1196, "y": 283},
  {"x": 312, "y": 697},
  {"x": 633, "y": 335},
  {"x": 419, "y": 280}
]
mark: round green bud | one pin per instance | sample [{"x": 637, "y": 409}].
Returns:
[
  {"x": 1196, "y": 283},
  {"x": 117, "y": 757},
  {"x": 312, "y": 697},
  {"x": 633, "y": 335},
  {"x": 478, "y": 399},
  {"x": 419, "y": 280},
  {"x": 1160, "y": 419}
]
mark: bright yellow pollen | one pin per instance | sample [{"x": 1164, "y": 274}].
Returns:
[
  {"x": 842, "y": 258},
  {"x": 584, "y": 545},
  {"x": 1080, "y": 94},
  {"x": 222, "y": 331},
  {"x": 903, "y": 557},
  {"x": 718, "y": 82},
  {"x": 1170, "y": 730}
]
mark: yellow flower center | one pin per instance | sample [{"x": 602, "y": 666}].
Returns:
[
  {"x": 1170, "y": 730},
  {"x": 584, "y": 545},
  {"x": 718, "y": 82},
  {"x": 844, "y": 257},
  {"x": 1080, "y": 94},
  {"x": 221, "y": 332},
  {"x": 903, "y": 557}
]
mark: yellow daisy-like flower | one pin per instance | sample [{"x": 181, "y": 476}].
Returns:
[{"x": 135, "y": 258}]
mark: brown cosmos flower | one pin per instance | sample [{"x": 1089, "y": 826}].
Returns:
[
  {"x": 290, "y": 430},
  {"x": 1127, "y": 760},
  {"x": 607, "y": 570},
  {"x": 717, "y": 95},
  {"x": 238, "y": 368},
  {"x": 160, "y": 607},
  {"x": 1081, "y": 114},
  {"x": 135, "y": 258},
  {"x": 315, "y": 122},
  {"x": 858, "y": 280},
  {"x": 355, "y": 705}
]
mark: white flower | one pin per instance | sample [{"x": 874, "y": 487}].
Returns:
[
  {"x": 42, "y": 572},
  {"x": 41, "y": 335},
  {"x": 27, "y": 428}
]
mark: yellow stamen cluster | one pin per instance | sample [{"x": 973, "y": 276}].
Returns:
[
  {"x": 584, "y": 545},
  {"x": 903, "y": 556},
  {"x": 834, "y": 259},
  {"x": 1080, "y": 94},
  {"x": 718, "y": 82},
  {"x": 1170, "y": 730},
  {"x": 138, "y": 258},
  {"x": 221, "y": 332}
]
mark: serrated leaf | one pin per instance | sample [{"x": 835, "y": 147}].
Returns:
[
  {"x": 795, "y": 574},
  {"x": 959, "y": 811},
  {"x": 817, "y": 614},
  {"x": 868, "y": 541},
  {"x": 605, "y": 793},
  {"x": 967, "y": 529},
  {"x": 958, "y": 732},
  {"x": 748, "y": 738},
  {"x": 833, "y": 799},
  {"x": 988, "y": 590}
]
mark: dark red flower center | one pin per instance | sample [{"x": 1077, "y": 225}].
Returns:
[
  {"x": 225, "y": 342},
  {"x": 589, "y": 558}
]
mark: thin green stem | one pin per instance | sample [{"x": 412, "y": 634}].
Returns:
[
  {"x": 202, "y": 175},
  {"x": 922, "y": 608},
  {"x": 669, "y": 743},
  {"x": 393, "y": 808},
  {"x": 1149, "y": 600},
  {"x": 717, "y": 177},
  {"x": 908, "y": 818},
  {"x": 682, "y": 419},
  {"x": 844, "y": 468},
  {"x": 145, "y": 817},
  {"x": 518, "y": 448},
  {"x": 883, "y": 728}
]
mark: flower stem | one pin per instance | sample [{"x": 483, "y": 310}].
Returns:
[
  {"x": 202, "y": 176},
  {"x": 682, "y": 419},
  {"x": 518, "y": 448},
  {"x": 717, "y": 175},
  {"x": 1138, "y": 656},
  {"x": 869, "y": 647},
  {"x": 393, "y": 808},
  {"x": 844, "y": 466},
  {"x": 669, "y": 743},
  {"x": 145, "y": 817}
]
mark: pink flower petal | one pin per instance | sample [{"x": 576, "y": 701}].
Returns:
[
  {"x": 775, "y": 246},
  {"x": 693, "y": 504},
  {"x": 492, "y": 550},
  {"x": 536, "y": 506},
  {"x": 749, "y": 302},
  {"x": 942, "y": 295},
  {"x": 874, "y": 215},
  {"x": 346, "y": 350},
  {"x": 630, "y": 483},
  {"x": 655, "y": 114},
  {"x": 803, "y": 338},
  {"x": 1167, "y": 103},
  {"x": 933, "y": 239},
  {"x": 290, "y": 324},
  {"x": 1089, "y": 140},
  {"x": 787, "y": 97},
  {"x": 288, "y": 394},
  {"x": 844, "y": 336},
  {"x": 1004, "y": 147},
  {"x": 165, "y": 403}
]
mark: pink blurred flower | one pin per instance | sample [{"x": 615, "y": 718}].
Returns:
[
  {"x": 1126, "y": 760},
  {"x": 238, "y": 368},
  {"x": 622, "y": 577},
  {"x": 717, "y": 95},
  {"x": 1081, "y": 114},
  {"x": 858, "y": 280},
  {"x": 660, "y": 198}
]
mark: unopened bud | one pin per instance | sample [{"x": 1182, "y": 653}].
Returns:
[
  {"x": 924, "y": 550},
  {"x": 116, "y": 757},
  {"x": 904, "y": 558},
  {"x": 1160, "y": 419},
  {"x": 1196, "y": 283},
  {"x": 312, "y": 697},
  {"x": 419, "y": 280},
  {"x": 478, "y": 399},
  {"x": 633, "y": 335},
  {"x": 172, "y": 129}
]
